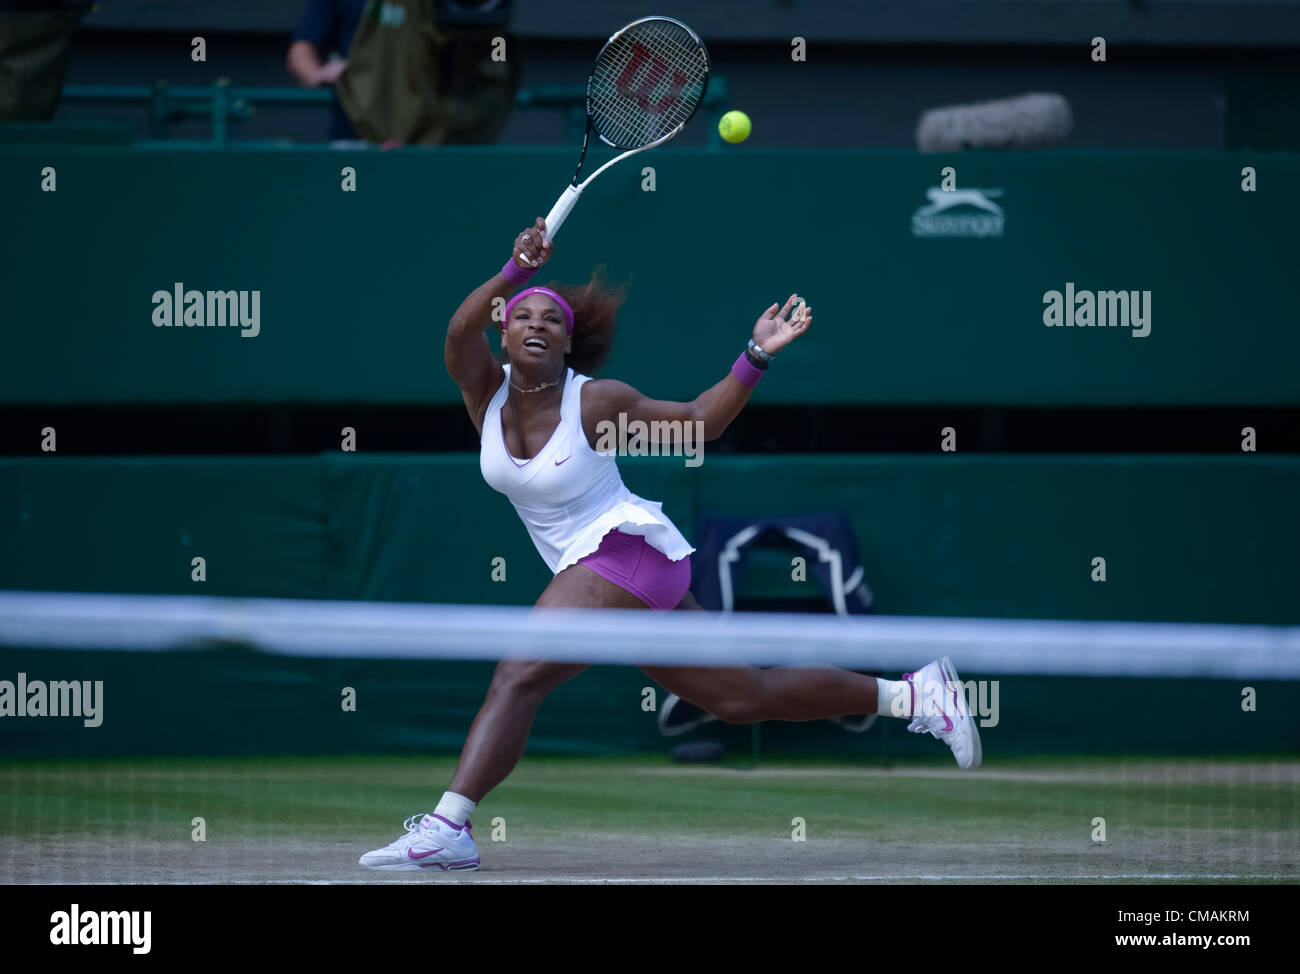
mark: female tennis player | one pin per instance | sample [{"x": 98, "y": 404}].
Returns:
[{"x": 537, "y": 418}]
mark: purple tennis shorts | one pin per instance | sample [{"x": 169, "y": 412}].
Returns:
[{"x": 629, "y": 561}]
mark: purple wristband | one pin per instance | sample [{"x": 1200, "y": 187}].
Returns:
[
  {"x": 515, "y": 274},
  {"x": 745, "y": 373}
]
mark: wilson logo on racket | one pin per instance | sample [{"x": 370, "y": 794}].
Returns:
[
  {"x": 640, "y": 57},
  {"x": 647, "y": 82}
]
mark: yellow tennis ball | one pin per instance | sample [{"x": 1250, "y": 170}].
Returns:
[{"x": 734, "y": 127}]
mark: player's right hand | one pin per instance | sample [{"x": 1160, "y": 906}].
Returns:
[{"x": 532, "y": 250}]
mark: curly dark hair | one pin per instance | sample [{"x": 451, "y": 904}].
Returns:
[{"x": 595, "y": 319}]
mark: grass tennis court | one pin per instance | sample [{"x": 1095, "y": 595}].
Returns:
[{"x": 644, "y": 819}]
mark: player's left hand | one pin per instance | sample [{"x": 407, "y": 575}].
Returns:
[{"x": 774, "y": 331}]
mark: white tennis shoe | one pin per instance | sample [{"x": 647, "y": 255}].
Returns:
[
  {"x": 939, "y": 707},
  {"x": 431, "y": 842}
]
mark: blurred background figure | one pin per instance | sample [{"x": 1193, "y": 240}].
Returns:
[
  {"x": 415, "y": 71},
  {"x": 327, "y": 28},
  {"x": 34, "y": 40}
]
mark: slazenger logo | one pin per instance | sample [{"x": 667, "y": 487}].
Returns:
[{"x": 936, "y": 220}]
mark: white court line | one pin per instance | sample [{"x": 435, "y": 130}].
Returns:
[{"x": 688, "y": 880}]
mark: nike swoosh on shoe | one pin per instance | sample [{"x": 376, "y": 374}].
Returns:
[{"x": 421, "y": 855}]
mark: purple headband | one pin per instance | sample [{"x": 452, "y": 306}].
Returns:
[{"x": 564, "y": 305}]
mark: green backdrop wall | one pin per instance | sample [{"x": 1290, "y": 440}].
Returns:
[
  {"x": 356, "y": 287},
  {"x": 1202, "y": 538},
  {"x": 1185, "y": 538},
  {"x": 230, "y": 702}
]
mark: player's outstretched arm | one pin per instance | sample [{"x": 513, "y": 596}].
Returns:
[
  {"x": 717, "y": 406},
  {"x": 467, "y": 354}
]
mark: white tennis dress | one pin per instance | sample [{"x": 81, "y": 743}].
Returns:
[{"x": 569, "y": 496}]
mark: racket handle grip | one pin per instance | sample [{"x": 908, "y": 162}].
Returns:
[{"x": 555, "y": 219}]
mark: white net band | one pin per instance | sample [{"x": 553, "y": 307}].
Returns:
[{"x": 55, "y": 620}]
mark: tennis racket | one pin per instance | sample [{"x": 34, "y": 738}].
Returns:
[{"x": 644, "y": 87}]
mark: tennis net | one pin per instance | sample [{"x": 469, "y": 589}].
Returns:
[{"x": 316, "y": 628}]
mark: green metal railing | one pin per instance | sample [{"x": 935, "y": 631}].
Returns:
[
  {"x": 222, "y": 103},
  {"x": 225, "y": 104}
]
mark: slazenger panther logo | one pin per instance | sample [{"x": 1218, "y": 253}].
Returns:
[{"x": 935, "y": 220}]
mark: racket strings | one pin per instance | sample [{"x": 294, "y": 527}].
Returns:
[
  {"x": 621, "y": 121},
  {"x": 646, "y": 82},
  {"x": 647, "y": 89}
]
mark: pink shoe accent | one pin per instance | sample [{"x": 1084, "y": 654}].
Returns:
[
  {"x": 421, "y": 855},
  {"x": 450, "y": 823}
]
